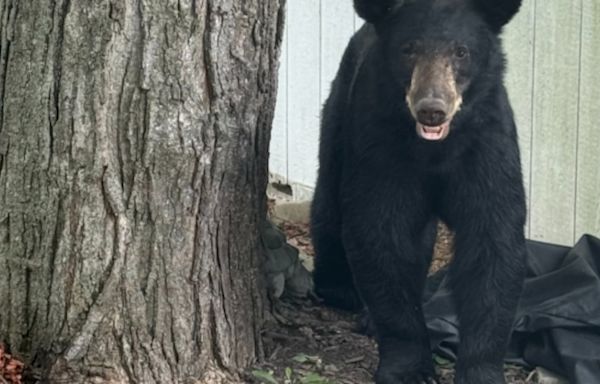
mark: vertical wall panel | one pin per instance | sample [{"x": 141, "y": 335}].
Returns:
[
  {"x": 278, "y": 156},
  {"x": 337, "y": 27},
  {"x": 587, "y": 217},
  {"x": 303, "y": 89},
  {"x": 358, "y": 22},
  {"x": 518, "y": 43},
  {"x": 556, "y": 87}
]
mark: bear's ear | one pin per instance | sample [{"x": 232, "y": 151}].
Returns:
[
  {"x": 497, "y": 13},
  {"x": 373, "y": 11}
]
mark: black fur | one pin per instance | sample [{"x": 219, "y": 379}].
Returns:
[
  {"x": 381, "y": 189},
  {"x": 375, "y": 10}
]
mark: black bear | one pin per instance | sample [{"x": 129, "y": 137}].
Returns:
[{"x": 418, "y": 127}]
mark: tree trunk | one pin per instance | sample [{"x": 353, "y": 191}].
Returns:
[{"x": 133, "y": 165}]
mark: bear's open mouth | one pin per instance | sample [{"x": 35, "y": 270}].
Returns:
[{"x": 433, "y": 133}]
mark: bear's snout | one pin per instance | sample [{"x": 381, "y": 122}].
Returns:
[{"x": 433, "y": 97}]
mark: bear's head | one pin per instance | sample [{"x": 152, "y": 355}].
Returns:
[{"x": 435, "y": 50}]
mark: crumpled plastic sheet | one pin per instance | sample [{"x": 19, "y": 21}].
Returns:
[{"x": 557, "y": 325}]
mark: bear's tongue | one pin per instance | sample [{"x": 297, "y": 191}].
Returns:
[{"x": 433, "y": 133}]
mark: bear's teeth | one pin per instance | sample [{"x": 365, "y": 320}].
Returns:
[
  {"x": 432, "y": 129},
  {"x": 433, "y": 133}
]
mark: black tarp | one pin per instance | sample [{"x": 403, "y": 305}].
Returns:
[{"x": 557, "y": 326}]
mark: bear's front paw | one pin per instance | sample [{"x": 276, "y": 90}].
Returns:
[
  {"x": 393, "y": 375},
  {"x": 481, "y": 373}
]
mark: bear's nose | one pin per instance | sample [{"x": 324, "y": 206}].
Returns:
[{"x": 431, "y": 112}]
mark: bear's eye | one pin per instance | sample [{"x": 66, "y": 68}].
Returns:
[{"x": 461, "y": 52}]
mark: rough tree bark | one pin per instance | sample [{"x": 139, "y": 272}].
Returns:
[{"x": 133, "y": 165}]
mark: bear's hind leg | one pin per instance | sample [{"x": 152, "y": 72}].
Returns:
[{"x": 332, "y": 275}]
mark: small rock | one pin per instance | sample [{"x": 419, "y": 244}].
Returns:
[
  {"x": 276, "y": 284},
  {"x": 295, "y": 212},
  {"x": 307, "y": 261},
  {"x": 308, "y": 332},
  {"x": 546, "y": 377},
  {"x": 273, "y": 238},
  {"x": 330, "y": 368},
  {"x": 300, "y": 284}
]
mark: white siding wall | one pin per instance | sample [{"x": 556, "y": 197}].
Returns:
[
  {"x": 553, "y": 53},
  {"x": 317, "y": 32}
]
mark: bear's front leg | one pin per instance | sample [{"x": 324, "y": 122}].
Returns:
[
  {"x": 486, "y": 278},
  {"x": 388, "y": 233},
  {"x": 488, "y": 269}
]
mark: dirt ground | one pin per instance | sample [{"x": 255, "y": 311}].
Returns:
[{"x": 312, "y": 344}]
